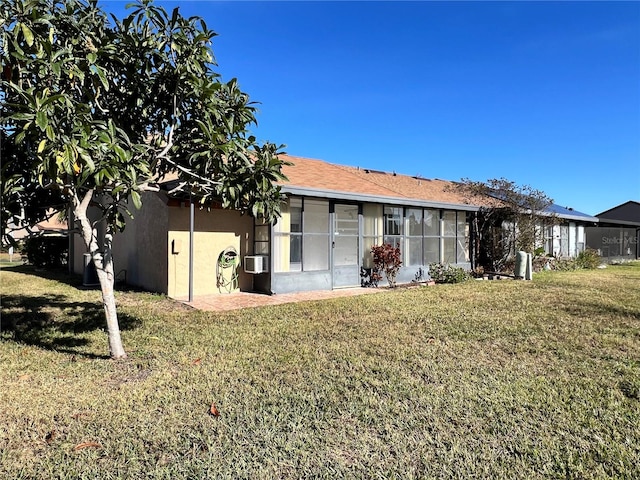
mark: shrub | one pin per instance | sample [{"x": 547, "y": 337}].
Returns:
[
  {"x": 588, "y": 259},
  {"x": 445, "y": 273},
  {"x": 47, "y": 251},
  {"x": 386, "y": 258},
  {"x": 565, "y": 265}
]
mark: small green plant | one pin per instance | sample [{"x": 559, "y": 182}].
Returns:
[
  {"x": 445, "y": 273},
  {"x": 588, "y": 259},
  {"x": 539, "y": 252},
  {"x": 387, "y": 259}
]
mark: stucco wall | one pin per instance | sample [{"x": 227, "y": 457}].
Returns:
[
  {"x": 140, "y": 251},
  {"x": 141, "y": 248},
  {"x": 215, "y": 230}
]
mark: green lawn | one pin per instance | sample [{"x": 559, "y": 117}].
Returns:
[{"x": 498, "y": 379}]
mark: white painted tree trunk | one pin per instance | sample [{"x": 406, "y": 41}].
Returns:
[{"x": 103, "y": 262}]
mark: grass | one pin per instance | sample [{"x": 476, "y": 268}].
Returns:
[{"x": 484, "y": 379}]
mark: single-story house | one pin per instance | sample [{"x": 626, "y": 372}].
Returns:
[
  {"x": 332, "y": 216},
  {"x": 617, "y": 236}
]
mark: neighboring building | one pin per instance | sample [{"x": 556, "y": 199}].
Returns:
[
  {"x": 51, "y": 226},
  {"x": 617, "y": 236},
  {"x": 332, "y": 216},
  {"x": 567, "y": 238}
]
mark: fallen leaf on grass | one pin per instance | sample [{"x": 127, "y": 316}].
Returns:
[
  {"x": 214, "y": 410},
  {"x": 83, "y": 445},
  {"x": 24, "y": 377},
  {"x": 197, "y": 361}
]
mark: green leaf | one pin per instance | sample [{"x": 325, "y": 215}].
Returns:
[
  {"x": 41, "y": 120},
  {"x": 89, "y": 162},
  {"x": 21, "y": 116},
  {"x": 49, "y": 132},
  {"x": 43, "y": 143},
  {"x": 120, "y": 152},
  {"x": 55, "y": 67},
  {"x": 137, "y": 201},
  {"x": 52, "y": 99},
  {"x": 28, "y": 34}
]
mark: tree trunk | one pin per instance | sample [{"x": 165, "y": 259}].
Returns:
[{"x": 103, "y": 262}]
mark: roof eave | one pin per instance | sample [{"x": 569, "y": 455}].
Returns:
[
  {"x": 619, "y": 222},
  {"x": 364, "y": 197}
]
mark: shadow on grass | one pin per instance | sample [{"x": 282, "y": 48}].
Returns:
[
  {"x": 63, "y": 276},
  {"x": 587, "y": 308},
  {"x": 53, "y": 322}
]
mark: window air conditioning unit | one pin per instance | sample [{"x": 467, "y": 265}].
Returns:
[{"x": 256, "y": 263}]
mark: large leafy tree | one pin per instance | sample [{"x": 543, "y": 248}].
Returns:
[
  {"x": 511, "y": 218},
  {"x": 95, "y": 110}
]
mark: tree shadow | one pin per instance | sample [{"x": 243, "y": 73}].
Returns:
[
  {"x": 587, "y": 308},
  {"x": 53, "y": 322},
  {"x": 63, "y": 276}
]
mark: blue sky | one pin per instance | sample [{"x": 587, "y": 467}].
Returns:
[{"x": 542, "y": 93}]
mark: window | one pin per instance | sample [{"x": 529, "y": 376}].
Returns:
[
  {"x": 301, "y": 236},
  {"x": 431, "y": 236},
  {"x": 260, "y": 238},
  {"x": 315, "y": 245},
  {"x": 564, "y": 240},
  {"x": 371, "y": 231},
  {"x": 425, "y": 235},
  {"x": 413, "y": 247},
  {"x": 580, "y": 239},
  {"x": 449, "y": 234},
  {"x": 295, "y": 251},
  {"x": 548, "y": 239},
  {"x": 346, "y": 235},
  {"x": 393, "y": 226},
  {"x": 462, "y": 235}
]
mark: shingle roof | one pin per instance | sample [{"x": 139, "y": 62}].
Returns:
[
  {"x": 314, "y": 177},
  {"x": 318, "y": 175}
]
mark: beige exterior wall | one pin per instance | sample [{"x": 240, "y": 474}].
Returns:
[
  {"x": 215, "y": 231},
  {"x": 153, "y": 251},
  {"x": 140, "y": 251},
  {"x": 141, "y": 248}
]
